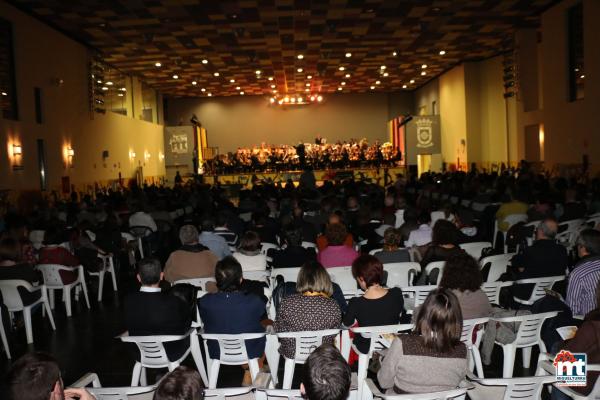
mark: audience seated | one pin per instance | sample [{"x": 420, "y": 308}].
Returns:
[
  {"x": 432, "y": 358},
  {"x": 322, "y": 242},
  {"x": 249, "y": 253},
  {"x": 223, "y": 230},
  {"x": 182, "y": 383},
  {"x": 11, "y": 268},
  {"x": 151, "y": 312},
  {"x": 326, "y": 375},
  {"x": 468, "y": 232},
  {"x": 515, "y": 204},
  {"x": 423, "y": 234},
  {"x": 444, "y": 244},
  {"x": 337, "y": 253},
  {"x": 141, "y": 217},
  {"x": 212, "y": 240},
  {"x": 293, "y": 255},
  {"x": 572, "y": 209},
  {"x": 36, "y": 376},
  {"x": 54, "y": 253},
  {"x": 378, "y": 305},
  {"x": 585, "y": 275},
  {"x": 463, "y": 277},
  {"x": 191, "y": 260},
  {"x": 311, "y": 308},
  {"x": 391, "y": 252}
]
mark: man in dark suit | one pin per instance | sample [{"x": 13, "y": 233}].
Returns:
[
  {"x": 151, "y": 312},
  {"x": 294, "y": 255}
]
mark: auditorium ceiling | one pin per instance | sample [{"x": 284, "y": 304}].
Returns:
[{"x": 261, "y": 47}]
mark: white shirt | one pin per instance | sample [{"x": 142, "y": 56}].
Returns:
[
  {"x": 140, "y": 218},
  {"x": 149, "y": 289},
  {"x": 251, "y": 263},
  {"x": 419, "y": 237}
]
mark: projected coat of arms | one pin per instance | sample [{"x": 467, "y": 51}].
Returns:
[
  {"x": 179, "y": 143},
  {"x": 424, "y": 133}
]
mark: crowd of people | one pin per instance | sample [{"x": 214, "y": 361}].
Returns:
[
  {"x": 319, "y": 155},
  {"x": 319, "y": 228}
]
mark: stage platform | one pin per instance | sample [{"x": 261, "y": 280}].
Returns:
[{"x": 369, "y": 174}]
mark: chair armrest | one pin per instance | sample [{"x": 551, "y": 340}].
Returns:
[
  {"x": 520, "y": 318},
  {"x": 86, "y": 380},
  {"x": 556, "y": 278},
  {"x": 372, "y": 388}
]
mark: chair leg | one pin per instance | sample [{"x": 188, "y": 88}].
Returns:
[
  {"x": 50, "y": 316},
  {"x": 214, "y": 374},
  {"x": 526, "y": 357},
  {"x": 67, "y": 299},
  {"x": 4, "y": 340},
  {"x": 197, "y": 356},
  {"x": 288, "y": 374},
  {"x": 363, "y": 361},
  {"x": 143, "y": 377},
  {"x": 84, "y": 286},
  {"x": 135, "y": 375},
  {"x": 100, "y": 285},
  {"x": 477, "y": 359},
  {"x": 51, "y": 297},
  {"x": 28, "y": 328},
  {"x": 113, "y": 273},
  {"x": 254, "y": 368},
  {"x": 509, "y": 360}
]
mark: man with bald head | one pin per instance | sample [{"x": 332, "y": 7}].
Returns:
[
  {"x": 544, "y": 258},
  {"x": 191, "y": 260}
]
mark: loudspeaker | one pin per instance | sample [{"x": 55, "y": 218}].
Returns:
[{"x": 105, "y": 154}]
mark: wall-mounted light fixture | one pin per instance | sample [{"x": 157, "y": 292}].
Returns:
[
  {"x": 161, "y": 156},
  {"x": 70, "y": 154},
  {"x": 17, "y": 154},
  {"x": 131, "y": 155},
  {"x": 146, "y": 155}
]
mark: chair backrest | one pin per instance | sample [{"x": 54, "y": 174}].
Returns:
[
  {"x": 379, "y": 335},
  {"x": 455, "y": 394},
  {"x": 198, "y": 282},
  {"x": 469, "y": 326},
  {"x": 439, "y": 265},
  {"x": 289, "y": 274},
  {"x": 258, "y": 275},
  {"x": 541, "y": 284},
  {"x": 527, "y": 388},
  {"x": 420, "y": 292},
  {"x": 307, "y": 341},
  {"x": 570, "y": 225},
  {"x": 152, "y": 349},
  {"x": 498, "y": 265},
  {"x": 232, "y": 347},
  {"x": 222, "y": 394},
  {"x": 121, "y": 393},
  {"x": 309, "y": 245},
  {"x": 492, "y": 290},
  {"x": 401, "y": 274},
  {"x": 529, "y": 330},
  {"x": 51, "y": 274},
  {"x": 343, "y": 277},
  {"x": 264, "y": 247},
  {"x": 437, "y": 215},
  {"x": 10, "y": 294},
  {"x": 140, "y": 231},
  {"x": 474, "y": 249},
  {"x": 513, "y": 219}
]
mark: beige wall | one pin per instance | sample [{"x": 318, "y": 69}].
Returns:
[
  {"x": 42, "y": 57},
  {"x": 232, "y": 122},
  {"x": 453, "y": 116}
]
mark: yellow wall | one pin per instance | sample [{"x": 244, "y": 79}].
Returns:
[
  {"x": 44, "y": 56},
  {"x": 453, "y": 118}
]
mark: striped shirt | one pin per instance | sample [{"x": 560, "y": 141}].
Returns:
[{"x": 581, "y": 292}]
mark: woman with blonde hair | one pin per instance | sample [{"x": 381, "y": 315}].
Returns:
[{"x": 310, "y": 309}]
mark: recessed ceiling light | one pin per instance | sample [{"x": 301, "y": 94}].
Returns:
[
  {"x": 423, "y": 73},
  {"x": 307, "y": 90},
  {"x": 300, "y": 56},
  {"x": 404, "y": 86},
  {"x": 205, "y": 61},
  {"x": 348, "y": 55},
  {"x": 300, "y": 99},
  {"x": 582, "y": 76},
  {"x": 275, "y": 91},
  {"x": 216, "y": 74},
  {"x": 272, "y": 86},
  {"x": 203, "y": 90},
  {"x": 237, "y": 88},
  {"x": 272, "y": 100},
  {"x": 103, "y": 88},
  {"x": 340, "y": 88},
  {"x": 341, "y": 68},
  {"x": 99, "y": 81},
  {"x": 394, "y": 53},
  {"x": 343, "y": 83},
  {"x": 385, "y": 74},
  {"x": 174, "y": 77},
  {"x": 307, "y": 84},
  {"x": 319, "y": 98},
  {"x": 109, "y": 83},
  {"x": 258, "y": 72},
  {"x": 442, "y": 52},
  {"x": 232, "y": 80},
  {"x": 412, "y": 81},
  {"x": 372, "y": 87},
  {"x": 123, "y": 89},
  {"x": 347, "y": 75},
  {"x": 157, "y": 64},
  {"x": 120, "y": 94},
  {"x": 209, "y": 95},
  {"x": 270, "y": 78},
  {"x": 194, "y": 83},
  {"x": 423, "y": 66},
  {"x": 309, "y": 77},
  {"x": 383, "y": 67},
  {"x": 293, "y": 99},
  {"x": 377, "y": 82},
  {"x": 4, "y": 94},
  {"x": 242, "y": 93},
  {"x": 299, "y": 70}
]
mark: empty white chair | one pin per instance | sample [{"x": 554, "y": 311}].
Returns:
[
  {"x": 13, "y": 302},
  {"x": 419, "y": 294},
  {"x": 527, "y": 336},
  {"x": 528, "y": 388},
  {"x": 343, "y": 277},
  {"x": 468, "y": 328},
  {"x": 455, "y": 394},
  {"x": 305, "y": 342},
  {"x": 433, "y": 266},
  {"x": 153, "y": 354},
  {"x": 401, "y": 274},
  {"x": 379, "y": 336},
  {"x": 498, "y": 265},
  {"x": 107, "y": 266},
  {"x": 200, "y": 283},
  {"x": 474, "y": 249},
  {"x": 53, "y": 281},
  {"x": 492, "y": 290},
  {"x": 232, "y": 351},
  {"x": 111, "y": 393},
  {"x": 539, "y": 290},
  {"x": 3, "y": 337}
]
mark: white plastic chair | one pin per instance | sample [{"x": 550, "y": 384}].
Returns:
[
  {"x": 437, "y": 215},
  {"x": 375, "y": 251},
  {"x": 498, "y": 265},
  {"x": 343, "y": 277},
  {"x": 107, "y": 266},
  {"x": 401, "y": 274},
  {"x": 289, "y": 274},
  {"x": 306, "y": 342},
  {"x": 510, "y": 220},
  {"x": 527, "y": 336},
  {"x": 53, "y": 281},
  {"x": 474, "y": 249},
  {"x": 539, "y": 290},
  {"x": 310, "y": 245},
  {"x": 265, "y": 247},
  {"x": 420, "y": 293},
  {"x": 3, "y": 337},
  {"x": 232, "y": 351},
  {"x": 468, "y": 327},
  {"x": 111, "y": 393},
  {"x": 492, "y": 290},
  {"x": 200, "y": 283},
  {"x": 439, "y": 265},
  {"x": 593, "y": 221},
  {"x": 13, "y": 302},
  {"x": 153, "y": 354},
  {"x": 545, "y": 365},
  {"x": 528, "y": 388},
  {"x": 379, "y": 341},
  {"x": 455, "y": 394},
  {"x": 263, "y": 276}
]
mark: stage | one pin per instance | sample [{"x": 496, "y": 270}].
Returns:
[{"x": 368, "y": 174}]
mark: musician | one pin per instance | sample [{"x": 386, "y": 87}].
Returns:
[{"x": 301, "y": 152}]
